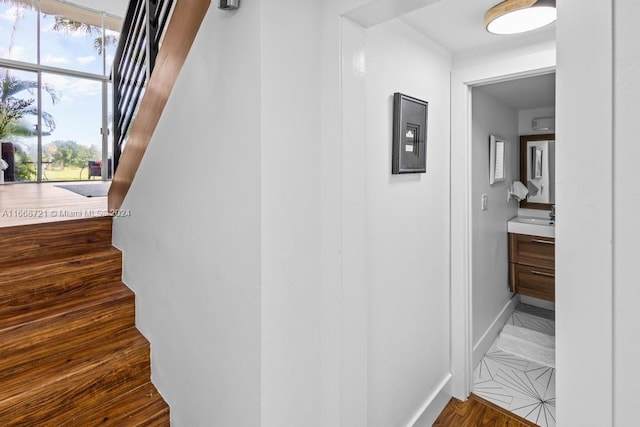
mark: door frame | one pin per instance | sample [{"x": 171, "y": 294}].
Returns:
[{"x": 508, "y": 66}]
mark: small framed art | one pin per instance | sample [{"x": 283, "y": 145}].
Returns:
[{"x": 409, "y": 134}]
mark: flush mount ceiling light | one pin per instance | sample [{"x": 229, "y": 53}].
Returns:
[{"x": 519, "y": 16}]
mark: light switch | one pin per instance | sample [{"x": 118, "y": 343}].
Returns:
[{"x": 485, "y": 202}]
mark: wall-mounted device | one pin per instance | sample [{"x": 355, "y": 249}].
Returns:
[
  {"x": 229, "y": 4},
  {"x": 543, "y": 123}
]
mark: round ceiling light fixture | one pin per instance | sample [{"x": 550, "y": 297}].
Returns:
[{"x": 519, "y": 16}]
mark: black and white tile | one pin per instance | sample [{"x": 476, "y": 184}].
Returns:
[{"x": 523, "y": 387}]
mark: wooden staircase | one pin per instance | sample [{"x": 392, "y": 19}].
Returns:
[{"x": 70, "y": 353}]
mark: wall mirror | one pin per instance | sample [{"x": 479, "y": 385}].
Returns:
[{"x": 537, "y": 170}]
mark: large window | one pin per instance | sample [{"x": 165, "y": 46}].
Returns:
[{"x": 55, "y": 60}]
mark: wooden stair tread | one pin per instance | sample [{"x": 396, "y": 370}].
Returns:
[
  {"x": 24, "y": 243},
  {"x": 58, "y": 398},
  {"x": 69, "y": 325},
  {"x": 71, "y": 354},
  {"x": 19, "y": 317},
  {"x": 49, "y": 370},
  {"x": 141, "y": 406},
  {"x": 57, "y": 275}
]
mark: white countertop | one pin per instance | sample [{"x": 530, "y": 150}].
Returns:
[{"x": 541, "y": 227}]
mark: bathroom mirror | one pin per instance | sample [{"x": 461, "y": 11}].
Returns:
[{"x": 537, "y": 170}]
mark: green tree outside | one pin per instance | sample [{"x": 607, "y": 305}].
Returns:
[{"x": 70, "y": 154}]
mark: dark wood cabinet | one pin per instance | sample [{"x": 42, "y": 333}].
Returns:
[{"x": 532, "y": 266}]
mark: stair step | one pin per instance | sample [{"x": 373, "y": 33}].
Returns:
[
  {"x": 71, "y": 354},
  {"x": 59, "y": 390},
  {"x": 24, "y": 243},
  {"x": 71, "y": 322},
  {"x": 61, "y": 363},
  {"x": 143, "y": 406},
  {"x": 54, "y": 277}
]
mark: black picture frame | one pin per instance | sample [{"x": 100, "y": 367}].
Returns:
[{"x": 410, "y": 119}]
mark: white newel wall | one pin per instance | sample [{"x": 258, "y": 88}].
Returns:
[
  {"x": 192, "y": 246},
  {"x": 626, "y": 204},
  {"x": 584, "y": 273}
]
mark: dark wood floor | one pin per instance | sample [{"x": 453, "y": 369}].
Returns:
[{"x": 477, "y": 412}]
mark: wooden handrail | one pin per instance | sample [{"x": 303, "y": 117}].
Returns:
[{"x": 180, "y": 33}]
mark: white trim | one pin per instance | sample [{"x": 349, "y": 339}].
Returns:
[
  {"x": 29, "y": 66},
  {"x": 434, "y": 404},
  {"x": 485, "y": 341},
  {"x": 511, "y": 65}
]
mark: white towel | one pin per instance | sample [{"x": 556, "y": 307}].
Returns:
[
  {"x": 519, "y": 190},
  {"x": 3, "y": 165},
  {"x": 531, "y": 345}
]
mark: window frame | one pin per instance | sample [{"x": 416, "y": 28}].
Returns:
[{"x": 38, "y": 68}]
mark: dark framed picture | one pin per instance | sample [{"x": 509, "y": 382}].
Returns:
[{"x": 409, "y": 134}]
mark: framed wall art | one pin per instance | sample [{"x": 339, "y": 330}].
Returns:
[
  {"x": 497, "y": 148},
  {"x": 409, "y": 135}
]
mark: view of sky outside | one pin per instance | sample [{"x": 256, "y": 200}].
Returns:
[{"x": 73, "y": 104}]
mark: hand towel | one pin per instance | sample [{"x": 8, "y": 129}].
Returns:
[{"x": 519, "y": 190}]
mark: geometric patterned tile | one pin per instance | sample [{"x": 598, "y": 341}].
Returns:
[
  {"x": 523, "y": 387},
  {"x": 536, "y": 311},
  {"x": 535, "y": 323}
]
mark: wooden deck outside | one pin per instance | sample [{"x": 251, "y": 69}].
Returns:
[{"x": 22, "y": 204}]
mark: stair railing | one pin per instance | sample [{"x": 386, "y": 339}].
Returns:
[
  {"x": 172, "y": 46},
  {"x": 135, "y": 59}
]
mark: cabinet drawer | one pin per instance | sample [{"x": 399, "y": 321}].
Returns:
[
  {"x": 533, "y": 281},
  {"x": 532, "y": 250}
]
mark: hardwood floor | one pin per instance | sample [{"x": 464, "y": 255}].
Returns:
[
  {"x": 477, "y": 412},
  {"x": 22, "y": 204},
  {"x": 71, "y": 354}
]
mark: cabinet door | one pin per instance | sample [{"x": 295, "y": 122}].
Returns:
[
  {"x": 532, "y": 250},
  {"x": 533, "y": 281}
]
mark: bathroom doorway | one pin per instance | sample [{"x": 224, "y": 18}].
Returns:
[
  {"x": 512, "y": 319},
  {"x": 463, "y": 205}
]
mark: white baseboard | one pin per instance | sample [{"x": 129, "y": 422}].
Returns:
[
  {"x": 483, "y": 344},
  {"x": 434, "y": 405}
]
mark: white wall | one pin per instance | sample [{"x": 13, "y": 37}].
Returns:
[
  {"x": 489, "y": 240},
  {"x": 247, "y": 242},
  {"x": 291, "y": 212},
  {"x": 626, "y": 204},
  {"x": 584, "y": 290},
  {"x": 407, "y": 221},
  {"x": 192, "y": 246}
]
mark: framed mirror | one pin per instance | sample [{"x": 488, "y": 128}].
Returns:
[{"x": 537, "y": 170}]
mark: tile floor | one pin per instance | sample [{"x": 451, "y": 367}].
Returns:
[{"x": 523, "y": 387}]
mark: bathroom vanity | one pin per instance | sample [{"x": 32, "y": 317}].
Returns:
[{"x": 532, "y": 257}]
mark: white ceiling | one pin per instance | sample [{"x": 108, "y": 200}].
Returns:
[
  {"x": 524, "y": 94},
  {"x": 115, "y": 7},
  {"x": 458, "y": 25}
]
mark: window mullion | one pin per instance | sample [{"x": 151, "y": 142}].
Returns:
[{"x": 39, "y": 130}]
